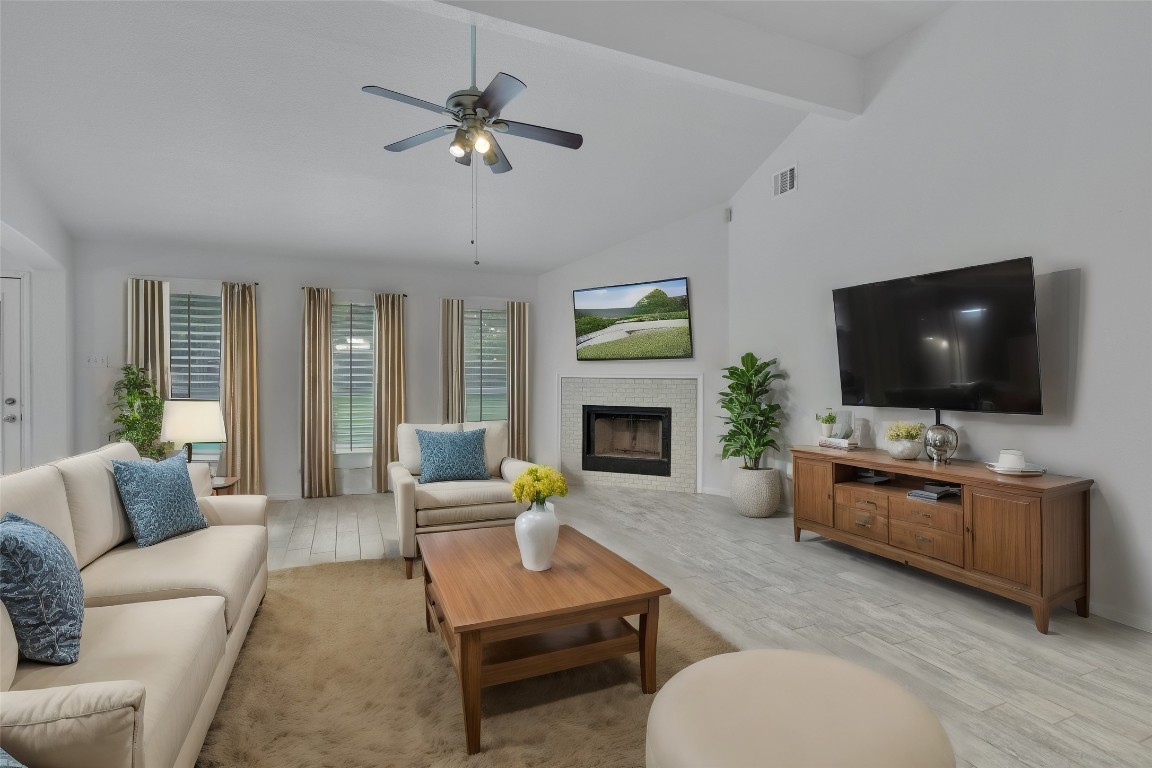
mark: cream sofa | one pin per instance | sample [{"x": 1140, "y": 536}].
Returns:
[
  {"x": 455, "y": 505},
  {"x": 162, "y": 624}
]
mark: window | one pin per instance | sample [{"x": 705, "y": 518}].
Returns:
[
  {"x": 353, "y": 379},
  {"x": 194, "y": 331},
  {"x": 485, "y": 364}
]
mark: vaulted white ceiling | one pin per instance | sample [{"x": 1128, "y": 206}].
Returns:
[{"x": 243, "y": 123}]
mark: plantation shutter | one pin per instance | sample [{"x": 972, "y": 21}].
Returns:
[
  {"x": 485, "y": 364},
  {"x": 194, "y": 346},
  {"x": 352, "y": 377}
]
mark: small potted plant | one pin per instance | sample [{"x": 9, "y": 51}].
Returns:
[
  {"x": 752, "y": 423},
  {"x": 826, "y": 422},
  {"x": 905, "y": 439},
  {"x": 537, "y": 527}
]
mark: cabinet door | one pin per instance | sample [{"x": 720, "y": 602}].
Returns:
[
  {"x": 1003, "y": 537},
  {"x": 812, "y": 491}
]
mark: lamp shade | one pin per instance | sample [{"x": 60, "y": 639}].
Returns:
[{"x": 193, "y": 421}]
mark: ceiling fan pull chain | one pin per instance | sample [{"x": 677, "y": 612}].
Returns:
[{"x": 475, "y": 221}]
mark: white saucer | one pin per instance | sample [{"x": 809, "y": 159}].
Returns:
[{"x": 1028, "y": 470}]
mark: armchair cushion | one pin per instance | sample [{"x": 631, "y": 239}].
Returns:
[
  {"x": 408, "y": 446},
  {"x": 495, "y": 443},
  {"x": 462, "y": 493},
  {"x": 451, "y": 456}
]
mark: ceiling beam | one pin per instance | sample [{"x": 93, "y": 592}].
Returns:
[{"x": 682, "y": 40}]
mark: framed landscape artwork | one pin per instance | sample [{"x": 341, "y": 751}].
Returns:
[{"x": 635, "y": 321}]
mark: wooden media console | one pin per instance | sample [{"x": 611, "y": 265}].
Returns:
[{"x": 1024, "y": 538}]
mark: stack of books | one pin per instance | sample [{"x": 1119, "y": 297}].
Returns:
[
  {"x": 840, "y": 443},
  {"x": 934, "y": 492}
]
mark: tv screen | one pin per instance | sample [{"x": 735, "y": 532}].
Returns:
[
  {"x": 961, "y": 340},
  {"x": 636, "y": 321}
]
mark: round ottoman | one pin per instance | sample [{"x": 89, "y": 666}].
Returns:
[{"x": 789, "y": 709}]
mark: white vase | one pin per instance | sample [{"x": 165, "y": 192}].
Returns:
[
  {"x": 826, "y": 430},
  {"x": 536, "y": 532},
  {"x": 755, "y": 492},
  {"x": 905, "y": 449}
]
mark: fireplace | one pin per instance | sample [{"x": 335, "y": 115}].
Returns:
[{"x": 628, "y": 439}]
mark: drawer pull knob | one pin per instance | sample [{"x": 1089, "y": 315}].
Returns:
[
  {"x": 923, "y": 539},
  {"x": 863, "y": 524},
  {"x": 869, "y": 503},
  {"x": 926, "y": 514}
]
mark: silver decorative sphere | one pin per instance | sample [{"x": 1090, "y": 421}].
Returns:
[{"x": 941, "y": 442}]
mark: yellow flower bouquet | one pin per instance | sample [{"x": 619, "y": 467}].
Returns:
[{"x": 536, "y": 484}]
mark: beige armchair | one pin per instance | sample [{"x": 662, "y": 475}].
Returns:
[{"x": 457, "y": 504}]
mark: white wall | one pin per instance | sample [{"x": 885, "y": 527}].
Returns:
[
  {"x": 696, "y": 248},
  {"x": 997, "y": 130},
  {"x": 37, "y": 247},
  {"x": 102, "y": 271}
]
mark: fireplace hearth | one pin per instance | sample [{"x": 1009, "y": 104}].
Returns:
[{"x": 628, "y": 439}]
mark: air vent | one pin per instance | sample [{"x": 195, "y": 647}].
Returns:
[{"x": 785, "y": 181}]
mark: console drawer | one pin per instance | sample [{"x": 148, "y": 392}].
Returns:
[
  {"x": 862, "y": 522},
  {"x": 861, "y": 498},
  {"x": 945, "y": 517},
  {"x": 948, "y": 547}
]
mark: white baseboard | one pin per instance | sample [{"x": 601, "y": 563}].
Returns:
[
  {"x": 1128, "y": 618},
  {"x": 716, "y": 491},
  {"x": 282, "y": 496}
]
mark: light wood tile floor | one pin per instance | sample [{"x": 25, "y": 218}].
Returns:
[{"x": 1007, "y": 695}]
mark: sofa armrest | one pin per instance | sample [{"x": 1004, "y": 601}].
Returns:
[
  {"x": 404, "y": 495},
  {"x": 510, "y": 468},
  {"x": 76, "y": 725},
  {"x": 235, "y": 510}
]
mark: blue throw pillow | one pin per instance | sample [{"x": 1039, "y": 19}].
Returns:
[
  {"x": 7, "y": 761},
  {"x": 452, "y": 456},
  {"x": 158, "y": 498},
  {"x": 41, "y": 588}
]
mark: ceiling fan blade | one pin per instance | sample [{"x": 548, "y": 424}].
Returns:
[
  {"x": 495, "y": 159},
  {"x": 420, "y": 138},
  {"x": 499, "y": 92},
  {"x": 539, "y": 133},
  {"x": 466, "y": 159},
  {"x": 403, "y": 99}
]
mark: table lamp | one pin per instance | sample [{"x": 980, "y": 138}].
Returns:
[{"x": 192, "y": 421}]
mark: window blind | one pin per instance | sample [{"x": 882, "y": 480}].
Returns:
[
  {"x": 194, "y": 339},
  {"x": 353, "y": 383},
  {"x": 485, "y": 364}
]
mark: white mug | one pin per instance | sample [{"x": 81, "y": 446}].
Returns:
[{"x": 1010, "y": 457}]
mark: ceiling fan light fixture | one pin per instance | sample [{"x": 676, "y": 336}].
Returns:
[
  {"x": 460, "y": 145},
  {"x": 482, "y": 144}
]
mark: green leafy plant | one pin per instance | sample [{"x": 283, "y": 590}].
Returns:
[
  {"x": 905, "y": 430},
  {"x": 752, "y": 420},
  {"x": 139, "y": 412},
  {"x": 826, "y": 418}
]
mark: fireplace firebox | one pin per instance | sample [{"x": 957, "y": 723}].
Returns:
[{"x": 628, "y": 439}]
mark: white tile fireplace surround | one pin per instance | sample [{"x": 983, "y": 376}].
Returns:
[{"x": 679, "y": 393}]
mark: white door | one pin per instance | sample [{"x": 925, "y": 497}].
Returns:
[{"x": 11, "y": 359}]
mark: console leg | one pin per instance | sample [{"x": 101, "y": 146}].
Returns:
[
  {"x": 796, "y": 532},
  {"x": 408, "y": 561},
  {"x": 1082, "y": 606},
  {"x": 1040, "y": 613}
]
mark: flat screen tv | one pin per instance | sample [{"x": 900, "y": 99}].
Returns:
[
  {"x": 635, "y": 321},
  {"x": 961, "y": 340}
]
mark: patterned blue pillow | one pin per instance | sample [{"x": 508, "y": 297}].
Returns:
[
  {"x": 41, "y": 588},
  {"x": 452, "y": 456},
  {"x": 7, "y": 761},
  {"x": 158, "y": 498}
]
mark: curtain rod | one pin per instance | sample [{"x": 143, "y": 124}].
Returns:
[{"x": 306, "y": 287}]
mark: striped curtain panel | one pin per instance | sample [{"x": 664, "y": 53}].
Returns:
[
  {"x": 518, "y": 395},
  {"x": 452, "y": 360},
  {"x": 318, "y": 471},
  {"x": 148, "y": 330},
  {"x": 390, "y": 393},
  {"x": 240, "y": 386}
]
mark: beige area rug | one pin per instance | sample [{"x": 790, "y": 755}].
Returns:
[{"x": 339, "y": 672}]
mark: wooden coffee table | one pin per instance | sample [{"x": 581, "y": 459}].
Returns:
[{"x": 501, "y": 622}]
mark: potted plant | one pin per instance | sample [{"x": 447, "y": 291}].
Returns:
[
  {"x": 826, "y": 422},
  {"x": 752, "y": 423},
  {"x": 139, "y": 412},
  {"x": 905, "y": 439}
]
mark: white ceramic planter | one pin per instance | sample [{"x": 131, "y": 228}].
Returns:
[
  {"x": 826, "y": 430},
  {"x": 755, "y": 492},
  {"x": 536, "y": 531},
  {"x": 905, "y": 449}
]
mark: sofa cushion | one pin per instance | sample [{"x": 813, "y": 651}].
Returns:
[
  {"x": 41, "y": 588},
  {"x": 221, "y": 560},
  {"x": 98, "y": 519},
  {"x": 201, "y": 475},
  {"x": 495, "y": 442},
  {"x": 37, "y": 494},
  {"x": 408, "y": 446},
  {"x": 171, "y": 646},
  {"x": 462, "y": 493},
  {"x": 158, "y": 498},
  {"x": 452, "y": 456},
  {"x": 468, "y": 514}
]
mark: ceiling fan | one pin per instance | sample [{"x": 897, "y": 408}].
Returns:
[{"x": 476, "y": 115}]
